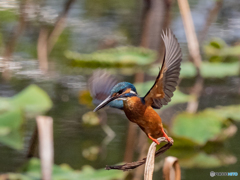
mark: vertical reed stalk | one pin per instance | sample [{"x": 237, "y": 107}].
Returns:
[
  {"x": 193, "y": 47},
  {"x": 45, "y": 132},
  {"x": 150, "y": 159}
]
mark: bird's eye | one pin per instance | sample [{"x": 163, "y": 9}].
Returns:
[{"x": 120, "y": 92}]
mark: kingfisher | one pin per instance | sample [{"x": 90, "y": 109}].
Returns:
[{"x": 140, "y": 110}]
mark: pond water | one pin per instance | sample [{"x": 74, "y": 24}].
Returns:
[{"x": 89, "y": 24}]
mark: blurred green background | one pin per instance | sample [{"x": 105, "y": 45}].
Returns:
[{"x": 107, "y": 34}]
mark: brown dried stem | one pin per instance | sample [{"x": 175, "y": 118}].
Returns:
[
  {"x": 156, "y": 17},
  {"x": 32, "y": 150},
  {"x": 46, "y": 40},
  {"x": 195, "y": 93},
  {"x": 211, "y": 17},
  {"x": 193, "y": 45},
  {"x": 17, "y": 31},
  {"x": 59, "y": 26},
  {"x": 133, "y": 165},
  {"x": 45, "y": 131},
  {"x": 194, "y": 52},
  {"x": 171, "y": 169},
  {"x": 42, "y": 49}
]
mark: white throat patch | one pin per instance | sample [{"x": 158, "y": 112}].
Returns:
[{"x": 132, "y": 92}]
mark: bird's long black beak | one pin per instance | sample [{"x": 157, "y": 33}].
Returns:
[{"x": 105, "y": 102}]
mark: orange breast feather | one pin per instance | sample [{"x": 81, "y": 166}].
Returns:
[{"x": 143, "y": 115}]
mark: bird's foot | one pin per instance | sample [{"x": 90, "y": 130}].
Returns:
[
  {"x": 168, "y": 139},
  {"x": 154, "y": 140}
]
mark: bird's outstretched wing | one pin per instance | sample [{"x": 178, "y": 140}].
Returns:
[
  {"x": 100, "y": 85},
  {"x": 162, "y": 90}
]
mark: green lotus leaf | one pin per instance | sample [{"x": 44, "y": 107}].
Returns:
[
  {"x": 200, "y": 127},
  {"x": 30, "y": 102},
  {"x": 227, "y": 112},
  {"x": 33, "y": 100},
  {"x": 212, "y": 124},
  {"x": 204, "y": 160},
  {"x": 116, "y": 57},
  {"x": 10, "y": 123},
  {"x": 60, "y": 172},
  {"x": 218, "y": 51},
  {"x": 208, "y": 70}
]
